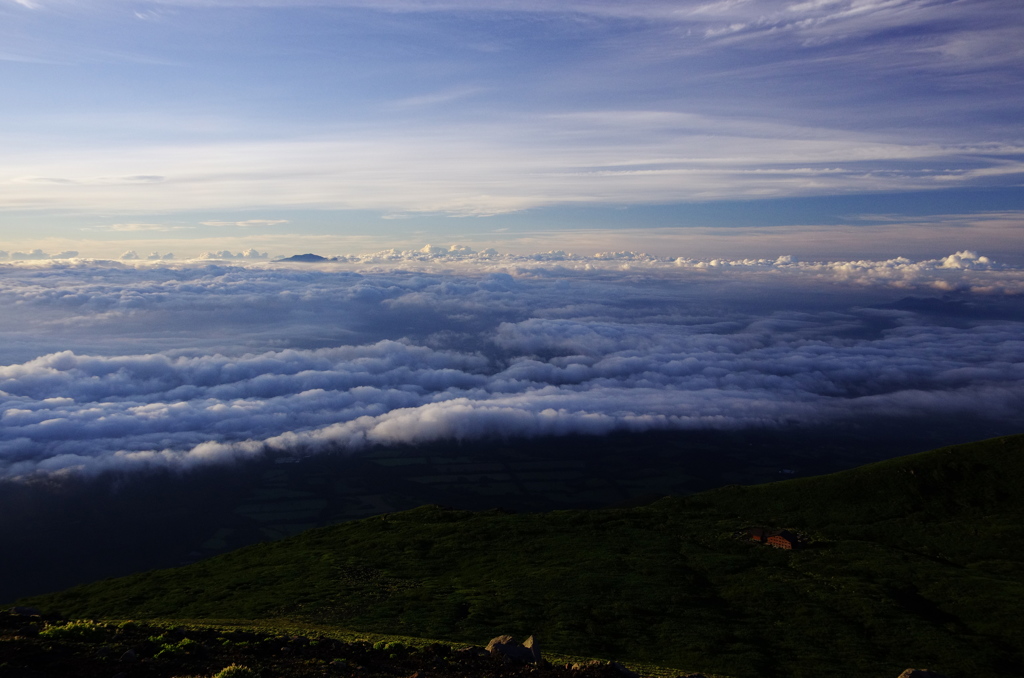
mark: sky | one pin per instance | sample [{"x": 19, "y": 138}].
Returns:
[{"x": 830, "y": 129}]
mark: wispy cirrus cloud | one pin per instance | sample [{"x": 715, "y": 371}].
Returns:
[
  {"x": 618, "y": 157},
  {"x": 809, "y": 22},
  {"x": 477, "y": 109},
  {"x": 435, "y": 98},
  {"x": 247, "y": 223},
  {"x": 137, "y": 228}
]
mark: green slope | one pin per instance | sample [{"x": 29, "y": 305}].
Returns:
[{"x": 916, "y": 561}]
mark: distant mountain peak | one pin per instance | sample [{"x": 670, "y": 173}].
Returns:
[{"x": 308, "y": 258}]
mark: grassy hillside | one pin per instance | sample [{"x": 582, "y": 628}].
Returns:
[
  {"x": 175, "y": 519},
  {"x": 915, "y": 561}
]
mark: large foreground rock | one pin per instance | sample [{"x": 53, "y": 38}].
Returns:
[{"x": 506, "y": 647}]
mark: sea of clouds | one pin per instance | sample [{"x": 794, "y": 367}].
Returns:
[{"x": 160, "y": 362}]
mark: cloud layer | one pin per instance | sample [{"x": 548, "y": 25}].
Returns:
[{"x": 120, "y": 365}]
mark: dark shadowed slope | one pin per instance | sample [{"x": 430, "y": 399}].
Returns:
[
  {"x": 75, "y": 530},
  {"x": 910, "y": 562}
]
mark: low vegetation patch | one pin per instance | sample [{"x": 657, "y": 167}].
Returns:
[
  {"x": 38, "y": 647},
  {"x": 914, "y": 561}
]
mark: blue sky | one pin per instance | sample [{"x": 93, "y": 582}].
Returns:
[{"x": 737, "y": 128}]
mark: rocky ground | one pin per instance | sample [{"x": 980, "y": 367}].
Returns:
[{"x": 35, "y": 646}]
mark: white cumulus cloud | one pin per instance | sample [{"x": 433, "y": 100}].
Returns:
[{"x": 136, "y": 363}]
